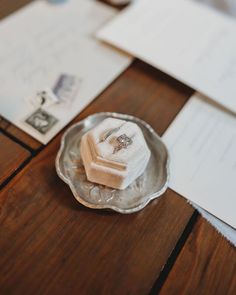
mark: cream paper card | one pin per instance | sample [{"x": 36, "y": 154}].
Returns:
[
  {"x": 186, "y": 39},
  {"x": 52, "y": 66},
  {"x": 202, "y": 145}
]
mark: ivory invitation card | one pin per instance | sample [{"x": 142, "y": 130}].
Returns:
[
  {"x": 188, "y": 40},
  {"x": 202, "y": 145}
]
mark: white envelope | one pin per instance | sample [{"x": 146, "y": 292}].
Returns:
[{"x": 46, "y": 48}]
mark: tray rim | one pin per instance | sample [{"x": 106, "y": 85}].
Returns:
[{"x": 108, "y": 206}]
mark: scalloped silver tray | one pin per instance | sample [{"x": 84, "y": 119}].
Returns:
[{"x": 152, "y": 184}]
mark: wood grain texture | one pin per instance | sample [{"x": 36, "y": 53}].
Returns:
[
  {"x": 52, "y": 245},
  {"x": 12, "y": 156},
  {"x": 206, "y": 265}
]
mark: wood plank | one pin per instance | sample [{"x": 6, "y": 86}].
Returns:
[
  {"x": 52, "y": 245},
  {"x": 12, "y": 156},
  {"x": 206, "y": 265},
  {"x": 9, "y": 6}
]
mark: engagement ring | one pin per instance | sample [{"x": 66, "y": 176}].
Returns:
[{"x": 123, "y": 141}]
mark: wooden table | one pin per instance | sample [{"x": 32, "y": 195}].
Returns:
[{"x": 50, "y": 244}]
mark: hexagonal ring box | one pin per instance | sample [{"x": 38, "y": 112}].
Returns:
[{"x": 114, "y": 153}]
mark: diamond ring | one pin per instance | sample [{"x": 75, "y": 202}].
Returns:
[{"x": 123, "y": 141}]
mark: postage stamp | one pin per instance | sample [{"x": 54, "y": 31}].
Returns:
[
  {"x": 41, "y": 120},
  {"x": 66, "y": 87}
]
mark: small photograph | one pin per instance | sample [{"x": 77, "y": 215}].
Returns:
[{"x": 41, "y": 120}]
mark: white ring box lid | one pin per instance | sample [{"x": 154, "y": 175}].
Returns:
[{"x": 119, "y": 169}]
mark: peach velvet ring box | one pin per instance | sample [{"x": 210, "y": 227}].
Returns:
[{"x": 114, "y": 153}]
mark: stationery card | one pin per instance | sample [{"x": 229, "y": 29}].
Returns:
[
  {"x": 186, "y": 39},
  {"x": 202, "y": 145},
  {"x": 51, "y": 64}
]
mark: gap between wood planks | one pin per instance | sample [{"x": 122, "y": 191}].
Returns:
[
  {"x": 174, "y": 254},
  {"x": 18, "y": 141},
  {"x": 23, "y": 164}
]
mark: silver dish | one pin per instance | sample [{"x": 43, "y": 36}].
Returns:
[{"x": 152, "y": 184}]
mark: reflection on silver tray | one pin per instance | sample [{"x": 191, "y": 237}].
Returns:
[{"x": 147, "y": 187}]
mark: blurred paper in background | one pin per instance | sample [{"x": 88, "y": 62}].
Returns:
[{"x": 186, "y": 39}]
